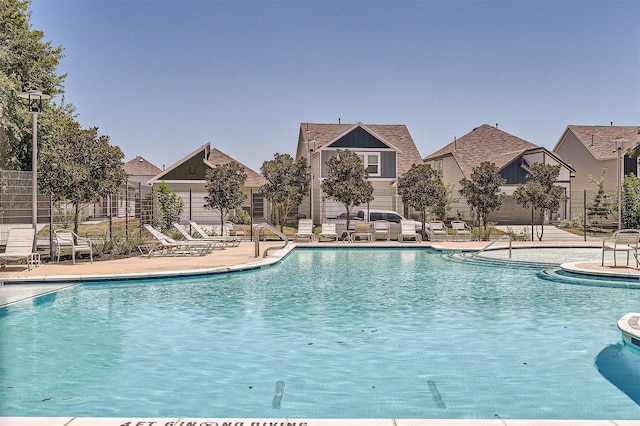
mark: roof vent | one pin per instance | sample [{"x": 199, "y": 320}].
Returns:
[
  {"x": 339, "y": 120},
  {"x": 496, "y": 125}
]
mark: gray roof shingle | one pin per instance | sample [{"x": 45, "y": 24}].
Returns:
[
  {"x": 604, "y": 138},
  {"x": 484, "y": 143}
]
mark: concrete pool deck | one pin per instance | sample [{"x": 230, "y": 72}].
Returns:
[{"x": 18, "y": 284}]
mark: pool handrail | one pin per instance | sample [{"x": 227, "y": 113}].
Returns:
[
  {"x": 275, "y": 231},
  {"x": 502, "y": 238}
]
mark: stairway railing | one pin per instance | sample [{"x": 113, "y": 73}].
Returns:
[
  {"x": 502, "y": 238},
  {"x": 257, "y": 239}
]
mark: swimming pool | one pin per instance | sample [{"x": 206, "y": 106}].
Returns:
[{"x": 347, "y": 333}]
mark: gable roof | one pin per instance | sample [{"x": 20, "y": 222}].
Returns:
[
  {"x": 395, "y": 136},
  {"x": 217, "y": 157},
  {"x": 202, "y": 150},
  {"x": 211, "y": 158},
  {"x": 484, "y": 143},
  {"x": 600, "y": 141},
  {"x": 140, "y": 167}
]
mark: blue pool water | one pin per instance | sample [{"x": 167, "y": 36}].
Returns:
[{"x": 349, "y": 333}]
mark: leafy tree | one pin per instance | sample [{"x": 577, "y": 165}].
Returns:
[
  {"x": 483, "y": 192},
  {"x": 78, "y": 166},
  {"x": 287, "y": 183},
  {"x": 26, "y": 62},
  {"x": 224, "y": 184},
  {"x": 600, "y": 205},
  {"x": 240, "y": 216},
  {"x": 540, "y": 192},
  {"x": 169, "y": 206},
  {"x": 630, "y": 202},
  {"x": 347, "y": 180},
  {"x": 422, "y": 188}
]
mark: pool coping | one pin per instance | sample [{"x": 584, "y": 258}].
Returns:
[{"x": 192, "y": 421}]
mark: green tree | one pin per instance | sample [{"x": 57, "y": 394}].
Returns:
[
  {"x": 287, "y": 183},
  {"x": 169, "y": 206},
  {"x": 224, "y": 184},
  {"x": 600, "y": 205},
  {"x": 347, "y": 180},
  {"x": 630, "y": 202},
  {"x": 540, "y": 192},
  {"x": 77, "y": 166},
  {"x": 483, "y": 192},
  {"x": 26, "y": 62},
  {"x": 422, "y": 188}
]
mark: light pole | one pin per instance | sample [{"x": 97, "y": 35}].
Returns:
[
  {"x": 34, "y": 95},
  {"x": 619, "y": 146},
  {"x": 309, "y": 142}
]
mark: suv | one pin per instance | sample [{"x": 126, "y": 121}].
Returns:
[{"x": 390, "y": 216}]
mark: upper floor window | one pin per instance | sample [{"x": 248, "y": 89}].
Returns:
[
  {"x": 437, "y": 166},
  {"x": 371, "y": 161}
]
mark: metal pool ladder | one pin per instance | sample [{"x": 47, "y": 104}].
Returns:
[
  {"x": 275, "y": 231},
  {"x": 502, "y": 238}
]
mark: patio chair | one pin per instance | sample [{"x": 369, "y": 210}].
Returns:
[
  {"x": 408, "y": 231},
  {"x": 233, "y": 231},
  {"x": 167, "y": 246},
  {"x": 460, "y": 228},
  {"x": 362, "y": 232},
  {"x": 437, "y": 229},
  {"x": 19, "y": 248},
  {"x": 381, "y": 228},
  {"x": 305, "y": 230},
  {"x": 66, "y": 239},
  {"x": 217, "y": 243},
  {"x": 626, "y": 240},
  {"x": 328, "y": 231},
  {"x": 226, "y": 240}
]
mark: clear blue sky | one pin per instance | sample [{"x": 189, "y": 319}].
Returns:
[{"x": 162, "y": 78}]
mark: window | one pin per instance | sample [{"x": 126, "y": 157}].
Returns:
[
  {"x": 371, "y": 162},
  {"x": 437, "y": 165}
]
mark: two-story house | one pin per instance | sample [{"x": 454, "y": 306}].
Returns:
[{"x": 387, "y": 151}]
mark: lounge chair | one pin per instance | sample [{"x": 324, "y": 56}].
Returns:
[
  {"x": 19, "y": 248},
  {"x": 362, "y": 232},
  {"x": 305, "y": 230},
  {"x": 66, "y": 239},
  {"x": 167, "y": 246},
  {"x": 626, "y": 240},
  {"x": 217, "y": 243},
  {"x": 381, "y": 228},
  {"x": 408, "y": 231},
  {"x": 233, "y": 231},
  {"x": 227, "y": 241},
  {"x": 437, "y": 229},
  {"x": 460, "y": 228},
  {"x": 328, "y": 231}
]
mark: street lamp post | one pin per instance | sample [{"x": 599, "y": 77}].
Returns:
[
  {"x": 33, "y": 95},
  {"x": 619, "y": 146},
  {"x": 311, "y": 150}
]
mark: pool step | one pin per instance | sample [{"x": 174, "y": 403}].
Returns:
[
  {"x": 566, "y": 277},
  {"x": 481, "y": 260}
]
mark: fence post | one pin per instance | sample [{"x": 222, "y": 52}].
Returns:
[
  {"x": 126, "y": 211},
  {"x": 584, "y": 214}
]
